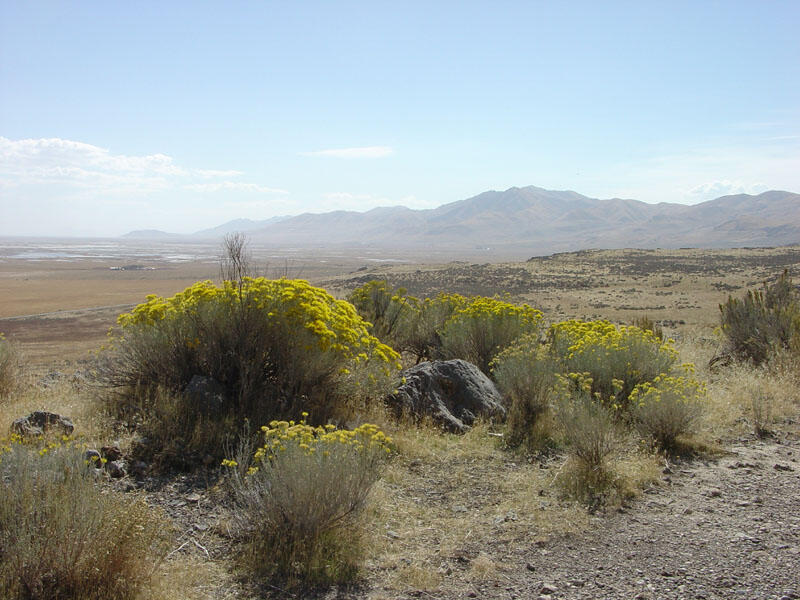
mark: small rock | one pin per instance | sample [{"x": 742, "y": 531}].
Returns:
[
  {"x": 548, "y": 588},
  {"x": 472, "y": 595},
  {"x": 780, "y": 467},
  {"x": 116, "y": 468},
  {"x": 40, "y": 422},
  {"x": 530, "y": 567},
  {"x": 194, "y": 498},
  {"x": 393, "y": 535},
  {"x": 713, "y": 493},
  {"x": 111, "y": 452}
]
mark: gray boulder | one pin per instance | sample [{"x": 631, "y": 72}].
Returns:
[
  {"x": 40, "y": 422},
  {"x": 452, "y": 392}
]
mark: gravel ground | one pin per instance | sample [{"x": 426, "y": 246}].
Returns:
[
  {"x": 717, "y": 529},
  {"x": 723, "y": 529}
]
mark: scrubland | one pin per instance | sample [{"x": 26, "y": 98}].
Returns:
[{"x": 624, "y": 390}]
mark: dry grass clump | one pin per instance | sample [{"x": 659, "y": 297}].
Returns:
[
  {"x": 591, "y": 436},
  {"x": 743, "y": 398},
  {"x": 449, "y": 505},
  {"x": 10, "y": 367},
  {"x": 63, "y": 538},
  {"x": 300, "y": 501}
]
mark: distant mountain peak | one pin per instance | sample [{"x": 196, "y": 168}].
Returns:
[{"x": 531, "y": 219}]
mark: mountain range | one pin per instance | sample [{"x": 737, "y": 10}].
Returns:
[{"x": 533, "y": 220}]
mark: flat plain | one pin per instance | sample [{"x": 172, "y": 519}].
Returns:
[{"x": 59, "y": 309}]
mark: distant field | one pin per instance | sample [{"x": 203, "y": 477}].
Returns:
[
  {"x": 58, "y": 309},
  {"x": 678, "y": 286}
]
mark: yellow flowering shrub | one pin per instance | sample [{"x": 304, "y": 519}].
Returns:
[
  {"x": 668, "y": 407},
  {"x": 422, "y": 329},
  {"x": 271, "y": 346},
  {"x": 615, "y": 358},
  {"x": 389, "y": 311},
  {"x": 480, "y": 327},
  {"x": 300, "y": 498}
]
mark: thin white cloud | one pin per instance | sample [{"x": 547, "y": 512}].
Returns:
[
  {"x": 361, "y": 152},
  {"x": 48, "y": 160},
  {"x": 715, "y": 189},
  {"x": 363, "y": 202},
  {"x": 237, "y": 186},
  {"x": 50, "y": 186}
]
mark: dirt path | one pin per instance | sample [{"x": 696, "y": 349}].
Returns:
[{"x": 723, "y": 529}]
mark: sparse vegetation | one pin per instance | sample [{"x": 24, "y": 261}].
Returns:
[{"x": 432, "y": 519}]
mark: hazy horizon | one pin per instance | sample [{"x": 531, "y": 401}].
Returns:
[{"x": 181, "y": 117}]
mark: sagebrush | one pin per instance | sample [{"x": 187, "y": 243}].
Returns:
[
  {"x": 300, "y": 499},
  {"x": 62, "y": 537}
]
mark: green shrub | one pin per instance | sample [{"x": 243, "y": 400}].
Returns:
[
  {"x": 389, "y": 311},
  {"x": 299, "y": 502},
  {"x": 422, "y": 335},
  {"x": 525, "y": 374},
  {"x": 616, "y": 359},
  {"x": 481, "y": 327},
  {"x": 667, "y": 408},
  {"x": 9, "y": 367},
  {"x": 271, "y": 346},
  {"x": 761, "y": 322},
  {"x": 63, "y": 538}
]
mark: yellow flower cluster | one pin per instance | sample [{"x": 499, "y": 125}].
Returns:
[
  {"x": 322, "y": 441},
  {"x": 481, "y": 308},
  {"x": 574, "y": 337},
  {"x": 41, "y": 444},
  {"x": 681, "y": 389},
  {"x": 333, "y": 324}
]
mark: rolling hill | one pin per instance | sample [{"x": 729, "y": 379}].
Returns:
[{"x": 536, "y": 220}]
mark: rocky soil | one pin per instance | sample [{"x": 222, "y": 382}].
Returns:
[{"x": 723, "y": 529}]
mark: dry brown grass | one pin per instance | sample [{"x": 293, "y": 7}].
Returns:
[{"x": 450, "y": 506}]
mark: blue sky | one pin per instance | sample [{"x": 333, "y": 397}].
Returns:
[{"x": 182, "y": 115}]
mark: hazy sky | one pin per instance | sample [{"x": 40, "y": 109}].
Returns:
[{"x": 182, "y": 115}]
